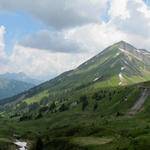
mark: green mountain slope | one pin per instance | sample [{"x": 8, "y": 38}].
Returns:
[
  {"x": 95, "y": 106},
  {"x": 118, "y": 65},
  {"x": 88, "y": 118},
  {"x": 10, "y": 87}
]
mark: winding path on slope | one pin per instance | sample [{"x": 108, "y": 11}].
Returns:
[{"x": 139, "y": 103}]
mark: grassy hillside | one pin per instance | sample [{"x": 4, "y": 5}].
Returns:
[
  {"x": 103, "y": 123},
  {"x": 86, "y": 108}
]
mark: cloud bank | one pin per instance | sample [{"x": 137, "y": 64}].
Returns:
[
  {"x": 51, "y": 41},
  {"x": 60, "y": 14}
]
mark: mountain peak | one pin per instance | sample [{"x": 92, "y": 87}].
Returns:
[
  {"x": 125, "y": 46},
  {"x": 122, "y": 42}
]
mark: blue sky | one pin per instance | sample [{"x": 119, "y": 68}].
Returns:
[
  {"x": 147, "y": 2},
  {"x": 48, "y": 38},
  {"x": 18, "y": 24}
]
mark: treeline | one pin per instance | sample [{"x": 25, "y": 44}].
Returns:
[{"x": 47, "y": 105}]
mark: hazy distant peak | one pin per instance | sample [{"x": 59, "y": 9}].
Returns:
[{"x": 20, "y": 77}]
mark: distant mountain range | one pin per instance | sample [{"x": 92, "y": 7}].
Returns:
[
  {"x": 9, "y": 87},
  {"x": 14, "y": 83},
  {"x": 20, "y": 77}
]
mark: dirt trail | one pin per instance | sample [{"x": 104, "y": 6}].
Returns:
[{"x": 139, "y": 103}]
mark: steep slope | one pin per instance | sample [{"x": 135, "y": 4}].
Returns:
[
  {"x": 118, "y": 65},
  {"x": 139, "y": 104},
  {"x": 10, "y": 87},
  {"x": 121, "y": 62},
  {"x": 20, "y": 77}
]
